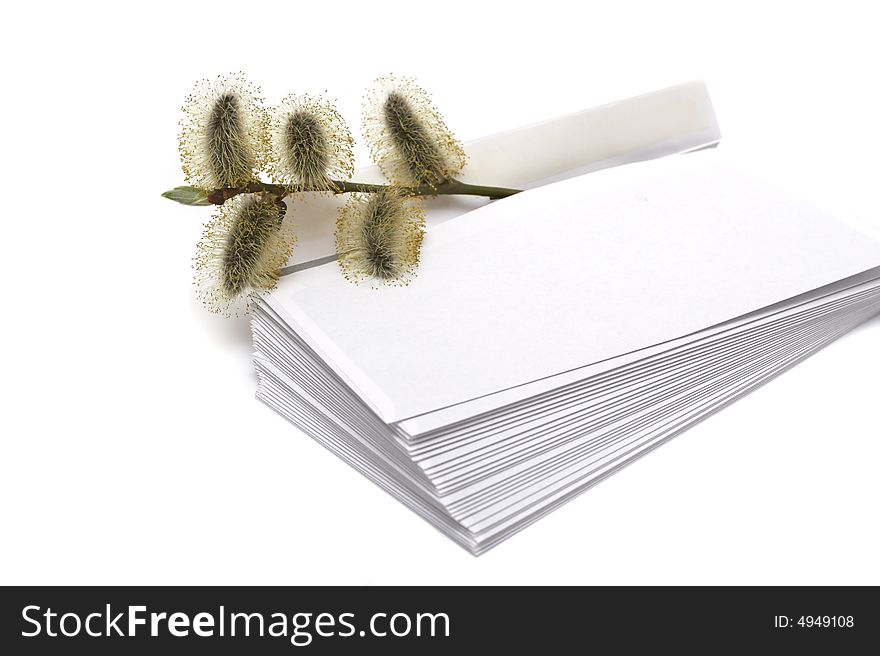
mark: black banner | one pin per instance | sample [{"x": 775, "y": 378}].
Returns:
[{"x": 319, "y": 620}]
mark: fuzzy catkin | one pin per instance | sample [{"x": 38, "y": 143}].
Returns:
[
  {"x": 407, "y": 137},
  {"x": 379, "y": 237},
  {"x": 223, "y": 134},
  {"x": 241, "y": 252},
  {"x": 310, "y": 144}
]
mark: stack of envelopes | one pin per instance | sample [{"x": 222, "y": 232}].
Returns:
[{"x": 555, "y": 336}]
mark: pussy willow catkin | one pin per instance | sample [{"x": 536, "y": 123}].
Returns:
[
  {"x": 310, "y": 144},
  {"x": 223, "y": 134},
  {"x": 242, "y": 251},
  {"x": 379, "y": 236},
  {"x": 407, "y": 136}
]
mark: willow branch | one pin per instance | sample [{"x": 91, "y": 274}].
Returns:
[{"x": 449, "y": 188}]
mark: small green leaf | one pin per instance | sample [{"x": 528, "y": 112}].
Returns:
[{"x": 187, "y": 196}]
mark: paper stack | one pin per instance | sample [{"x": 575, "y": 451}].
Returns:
[{"x": 553, "y": 337}]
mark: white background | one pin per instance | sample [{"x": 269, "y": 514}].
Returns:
[{"x": 133, "y": 451}]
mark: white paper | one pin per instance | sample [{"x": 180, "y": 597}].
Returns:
[
  {"x": 480, "y": 526},
  {"x": 567, "y": 275}
]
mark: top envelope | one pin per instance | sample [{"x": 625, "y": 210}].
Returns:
[{"x": 568, "y": 275}]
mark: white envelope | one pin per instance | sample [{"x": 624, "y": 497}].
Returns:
[
  {"x": 495, "y": 507},
  {"x": 664, "y": 122},
  {"x": 565, "y": 276}
]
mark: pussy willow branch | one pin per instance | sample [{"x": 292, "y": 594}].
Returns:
[{"x": 451, "y": 187}]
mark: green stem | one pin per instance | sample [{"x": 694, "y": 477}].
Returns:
[{"x": 452, "y": 187}]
